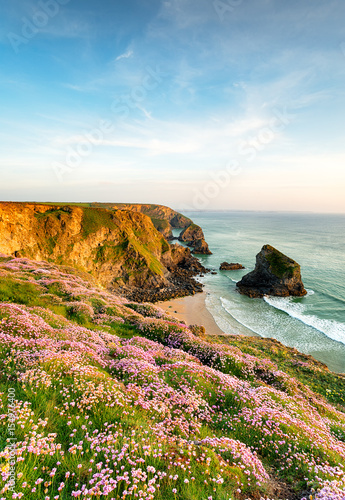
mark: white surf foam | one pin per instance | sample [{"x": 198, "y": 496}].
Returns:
[{"x": 333, "y": 329}]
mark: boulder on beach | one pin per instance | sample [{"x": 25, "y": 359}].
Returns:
[
  {"x": 226, "y": 266},
  {"x": 274, "y": 274}
]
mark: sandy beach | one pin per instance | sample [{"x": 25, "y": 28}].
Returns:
[{"x": 192, "y": 310}]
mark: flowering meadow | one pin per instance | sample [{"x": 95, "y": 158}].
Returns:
[{"x": 103, "y": 398}]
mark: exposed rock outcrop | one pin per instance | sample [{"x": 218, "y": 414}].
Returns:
[
  {"x": 201, "y": 247},
  {"x": 121, "y": 249},
  {"x": 193, "y": 235},
  {"x": 226, "y": 266},
  {"x": 164, "y": 227},
  {"x": 274, "y": 274},
  {"x": 180, "y": 221}
]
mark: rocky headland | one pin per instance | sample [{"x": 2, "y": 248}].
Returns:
[
  {"x": 121, "y": 249},
  {"x": 164, "y": 219},
  {"x": 274, "y": 274}
]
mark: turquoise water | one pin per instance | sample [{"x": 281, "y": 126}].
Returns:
[{"x": 314, "y": 324}]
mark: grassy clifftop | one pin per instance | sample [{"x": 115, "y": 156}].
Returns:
[
  {"x": 113, "y": 399},
  {"x": 157, "y": 212}
]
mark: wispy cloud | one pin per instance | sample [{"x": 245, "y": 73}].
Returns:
[{"x": 125, "y": 55}]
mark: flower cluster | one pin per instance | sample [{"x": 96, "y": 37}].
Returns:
[{"x": 155, "y": 413}]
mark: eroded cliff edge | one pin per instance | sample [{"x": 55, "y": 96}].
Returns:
[{"x": 121, "y": 248}]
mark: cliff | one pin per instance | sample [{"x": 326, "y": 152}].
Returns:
[
  {"x": 274, "y": 274},
  {"x": 119, "y": 248},
  {"x": 163, "y": 218}
]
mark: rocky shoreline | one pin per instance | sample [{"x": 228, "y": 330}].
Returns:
[{"x": 182, "y": 283}]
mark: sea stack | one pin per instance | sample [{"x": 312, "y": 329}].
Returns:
[
  {"x": 274, "y": 274},
  {"x": 194, "y": 237}
]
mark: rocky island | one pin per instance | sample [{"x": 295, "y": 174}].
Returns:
[
  {"x": 274, "y": 274},
  {"x": 226, "y": 266}
]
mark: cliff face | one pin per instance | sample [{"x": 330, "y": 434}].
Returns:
[
  {"x": 120, "y": 249},
  {"x": 163, "y": 218},
  {"x": 274, "y": 274}
]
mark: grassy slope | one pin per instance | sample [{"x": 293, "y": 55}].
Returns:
[{"x": 115, "y": 399}]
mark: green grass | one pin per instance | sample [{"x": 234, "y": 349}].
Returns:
[
  {"x": 19, "y": 292},
  {"x": 95, "y": 219},
  {"x": 281, "y": 265},
  {"x": 160, "y": 224}
]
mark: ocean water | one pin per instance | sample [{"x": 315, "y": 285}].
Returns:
[{"x": 314, "y": 324}]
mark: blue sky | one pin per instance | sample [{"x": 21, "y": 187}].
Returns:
[{"x": 206, "y": 104}]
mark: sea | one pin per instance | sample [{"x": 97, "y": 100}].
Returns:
[{"x": 313, "y": 324}]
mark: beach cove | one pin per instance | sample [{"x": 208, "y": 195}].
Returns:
[{"x": 314, "y": 324}]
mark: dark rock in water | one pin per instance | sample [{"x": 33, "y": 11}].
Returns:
[
  {"x": 274, "y": 274},
  {"x": 214, "y": 272},
  {"x": 225, "y": 266},
  {"x": 201, "y": 247}
]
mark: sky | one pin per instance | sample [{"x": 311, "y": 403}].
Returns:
[{"x": 194, "y": 104}]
